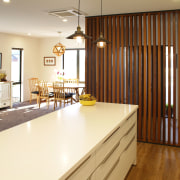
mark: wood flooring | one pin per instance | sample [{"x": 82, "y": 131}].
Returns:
[{"x": 156, "y": 162}]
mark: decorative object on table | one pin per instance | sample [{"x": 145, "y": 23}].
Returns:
[
  {"x": 101, "y": 41},
  {"x": 78, "y": 35},
  {"x": 3, "y": 76},
  {"x": 49, "y": 61},
  {"x": 0, "y": 60},
  {"x": 60, "y": 75},
  {"x": 59, "y": 49},
  {"x": 87, "y": 100}
]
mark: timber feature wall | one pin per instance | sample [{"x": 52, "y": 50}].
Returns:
[{"x": 139, "y": 66}]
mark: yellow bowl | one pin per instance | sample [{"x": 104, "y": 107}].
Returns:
[{"x": 87, "y": 103}]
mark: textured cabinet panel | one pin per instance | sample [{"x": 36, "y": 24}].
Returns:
[
  {"x": 113, "y": 158},
  {"x": 108, "y": 164},
  {"x": 114, "y": 138},
  {"x": 123, "y": 164},
  {"x": 5, "y": 94},
  {"x": 84, "y": 170}
]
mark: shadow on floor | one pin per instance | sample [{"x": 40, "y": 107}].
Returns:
[{"x": 23, "y": 112}]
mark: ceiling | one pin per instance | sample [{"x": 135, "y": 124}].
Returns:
[{"x": 31, "y": 16}]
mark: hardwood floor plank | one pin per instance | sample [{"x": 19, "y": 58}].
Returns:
[{"x": 156, "y": 162}]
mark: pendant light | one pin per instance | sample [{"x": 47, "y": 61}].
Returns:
[
  {"x": 59, "y": 49},
  {"x": 78, "y": 35},
  {"x": 101, "y": 41}
]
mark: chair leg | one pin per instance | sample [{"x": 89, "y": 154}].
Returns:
[
  {"x": 71, "y": 100},
  {"x": 30, "y": 98},
  {"x": 37, "y": 99},
  {"x": 48, "y": 102},
  {"x": 39, "y": 102},
  {"x": 64, "y": 103},
  {"x": 54, "y": 104}
]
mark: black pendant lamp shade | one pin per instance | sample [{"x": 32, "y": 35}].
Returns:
[
  {"x": 78, "y": 34},
  {"x": 101, "y": 41}
]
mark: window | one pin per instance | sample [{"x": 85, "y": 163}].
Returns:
[
  {"x": 82, "y": 65},
  {"x": 74, "y": 64}
]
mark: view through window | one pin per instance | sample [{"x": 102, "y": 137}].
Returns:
[{"x": 74, "y": 64}]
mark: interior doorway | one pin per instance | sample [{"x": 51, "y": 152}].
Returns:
[{"x": 16, "y": 71}]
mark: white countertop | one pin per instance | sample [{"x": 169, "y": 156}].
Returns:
[{"x": 47, "y": 147}]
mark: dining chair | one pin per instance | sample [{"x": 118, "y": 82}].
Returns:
[
  {"x": 44, "y": 93},
  {"x": 71, "y": 82},
  {"x": 33, "y": 87},
  {"x": 60, "y": 94}
]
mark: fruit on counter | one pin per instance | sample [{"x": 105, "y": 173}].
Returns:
[{"x": 87, "y": 97}]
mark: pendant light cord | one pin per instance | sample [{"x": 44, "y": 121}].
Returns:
[
  {"x": 78, "y": 12},
  {"x": 101, "y": 17}
]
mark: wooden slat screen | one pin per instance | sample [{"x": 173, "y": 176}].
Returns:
[{"x": 139, "y": 66}]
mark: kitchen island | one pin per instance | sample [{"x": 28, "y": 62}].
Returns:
[{"x": 77, "y": 142}]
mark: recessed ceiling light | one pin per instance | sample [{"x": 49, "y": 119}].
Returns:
[
  {"x": 64, "y": 20},
  {"x": 6, "y": 1}
]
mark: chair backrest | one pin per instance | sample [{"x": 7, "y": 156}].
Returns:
[
  {"x": 72, "y": 81},
  {"x": 58, "y": 90},
  {"x": 33, "y": 84},
  {"x": 43, "y": 88}
]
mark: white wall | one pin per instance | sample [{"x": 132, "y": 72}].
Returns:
[
  {"x": 35, "y": 50},
  {"x": 46, "y": 49},
  {"x": 31, "y": 61}
]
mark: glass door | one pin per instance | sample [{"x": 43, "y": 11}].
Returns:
[{"x": 16, "y": 60}]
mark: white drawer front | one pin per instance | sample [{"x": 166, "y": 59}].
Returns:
[
  {"x": 84, "y": 170},
  {"x": 4, "y": 103},
  {"x": 108, "y": 146},
  {"x": 128, "y": 123},
  {"x": 123, "y": 164},
  {"x": 5, "y": 91},
  {"x": 107, "y": 165},
  {"x": 125, "y": 140},
  {"x": 113, "y": 139}
]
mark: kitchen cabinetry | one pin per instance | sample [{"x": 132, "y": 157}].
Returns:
[
  {"x": 5, "y": 94},
  {"x": 75, "y": 143},
  {"x": 113, "y": 158}
]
